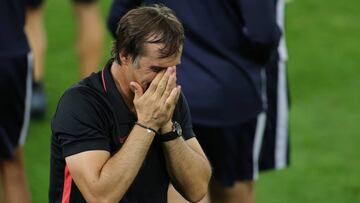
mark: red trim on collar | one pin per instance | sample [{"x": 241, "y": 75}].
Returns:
[{"x": 103, "y": 79}]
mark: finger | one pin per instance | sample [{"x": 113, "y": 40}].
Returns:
[
  {"x": 171, "y": 108},
  {"x": 154, "y": 83},
  {"x": 175, "y": 78},
  {"x": 169, "y": 87},
  {"x": 163, "y": 83},
  {"x": 176, "y": 98},
  {"x": 136, "y": 89},
  {"x": 172, "y": 99},
  {"x": 178, "y": 93}
]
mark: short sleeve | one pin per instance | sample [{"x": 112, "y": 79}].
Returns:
[
  {"x": 184, "y": 117},
  {"x": 79, "y": 123}
]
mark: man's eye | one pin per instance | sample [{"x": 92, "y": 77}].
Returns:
[{"x": 156, "y": 69}]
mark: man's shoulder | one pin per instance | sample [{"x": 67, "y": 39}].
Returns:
[
  {"x": 86, "y": 88},
  {"x": 83, "y": 96},
  {"x": 82, "y": 103}
]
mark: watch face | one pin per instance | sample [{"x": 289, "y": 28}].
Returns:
[{"x": 177, "y": 128}]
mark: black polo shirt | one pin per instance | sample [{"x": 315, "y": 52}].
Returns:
[{"x": 92, "y": 115}]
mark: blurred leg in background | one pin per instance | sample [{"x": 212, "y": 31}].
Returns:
[
  {"x": 14, "y": 179},
  {"x": 36, "y": 35},
  {"x": 90, "y": 35}
]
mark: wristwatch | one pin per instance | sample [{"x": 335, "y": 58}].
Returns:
[{"x": 173, "y": 134}]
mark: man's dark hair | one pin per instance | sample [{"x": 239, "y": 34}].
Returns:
[{"x": 148, "y": 24}]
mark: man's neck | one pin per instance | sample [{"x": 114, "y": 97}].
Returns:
[{"x": 122, "y": 83}]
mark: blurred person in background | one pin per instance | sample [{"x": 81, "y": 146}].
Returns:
[
  {"x": 227, "y": 46},
  {"x": 15, "y": 91},
  {"x": 275, "y": 148},
  {"x": 124, "y": 133},
  {"x": 88, "y": 43}
]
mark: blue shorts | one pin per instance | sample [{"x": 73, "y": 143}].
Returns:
[
  {"x": 15, "y": 91},
  {"x": 233, "y": 152}
]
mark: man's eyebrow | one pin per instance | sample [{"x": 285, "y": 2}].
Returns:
[{"x": 162, "y": 67}]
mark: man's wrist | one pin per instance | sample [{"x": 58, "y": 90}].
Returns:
[
  {"x": 149, "y": 123},
  {"x": 155, "y": 130},
  {"x": 170, "y": 131},
  {"x": 168, "y": 127}
]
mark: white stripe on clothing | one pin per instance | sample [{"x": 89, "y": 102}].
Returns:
[
  {"x": 281, "y": 136},
  {"x": 280, "y": 18},
  {"x": 259, "y": 134},
  {"x": 281, "y": 141},
  {"x": 260, "y": 126},
  {"x": 28, "y": 94}
]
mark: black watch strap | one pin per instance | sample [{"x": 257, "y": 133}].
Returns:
[{"x": 172, "y": 135}]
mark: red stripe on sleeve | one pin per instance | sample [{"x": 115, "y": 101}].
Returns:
[{"x": 67, "y": 186}]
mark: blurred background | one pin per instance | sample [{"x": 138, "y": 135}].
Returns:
[{"x": 323, "y": 42}]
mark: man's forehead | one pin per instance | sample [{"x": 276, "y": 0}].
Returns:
[
  {"x": 152, "y": 49},
  {"x": 152, "y": 54}
]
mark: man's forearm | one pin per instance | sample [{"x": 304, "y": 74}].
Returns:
[
  {"x": 189, "y": 170},
  {"x": 119, "y": 171}
]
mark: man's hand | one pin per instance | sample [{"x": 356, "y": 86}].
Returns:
[{"x": 155, "y": 107}]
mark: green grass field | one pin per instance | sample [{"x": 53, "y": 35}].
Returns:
[{"x": 323, "y": 41}]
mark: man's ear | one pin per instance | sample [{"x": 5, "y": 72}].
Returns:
[{"x": 125, "y": 59}]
